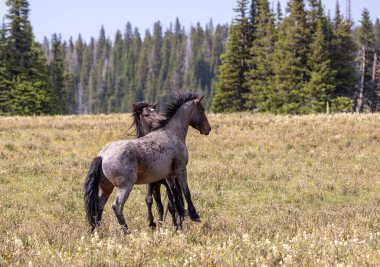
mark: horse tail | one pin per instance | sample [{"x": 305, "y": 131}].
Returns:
[{"x": 91, "y": 192}]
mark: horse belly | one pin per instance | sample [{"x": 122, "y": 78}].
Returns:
[{"x": 153, "y": 172}]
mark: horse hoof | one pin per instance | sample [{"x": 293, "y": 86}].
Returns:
[
  {"x": 186, "y": 213},
  {"x": 152, "y": 225},
  {"x": 195, "y": 217},
  {"x": 125, "y": 231}
]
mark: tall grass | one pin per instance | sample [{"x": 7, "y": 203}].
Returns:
[{"x": 271, "y": 190}]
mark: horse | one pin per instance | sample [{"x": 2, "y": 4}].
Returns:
[
  {"x": 160, "y": 154},
  {"x": 145, "y": 119}
]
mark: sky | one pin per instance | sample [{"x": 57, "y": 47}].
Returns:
[{"x": 71, "y": 17}]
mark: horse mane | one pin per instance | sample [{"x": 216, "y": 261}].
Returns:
[
  {"x": 177, "y": 99},
  {"x": 136, "y": 112}
]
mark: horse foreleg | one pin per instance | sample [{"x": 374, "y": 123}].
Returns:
[
  {"x": 123, "y": 192},
  {"x": 149, "y": 203},
  {"x": 179, "y": 194},
  {"x": 157, "y": 197},
  {"x": 182, "y": 179}
]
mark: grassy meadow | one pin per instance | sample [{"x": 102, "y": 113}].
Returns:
[{"x": 271, "y": 191}]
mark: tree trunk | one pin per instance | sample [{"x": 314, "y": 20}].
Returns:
[
  {"x": 362, "y": 82},
  {"x": 374, "y": 85}
]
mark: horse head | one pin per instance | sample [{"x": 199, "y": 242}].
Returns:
[
  {"x": 199, "y": 119},
  {"x": 145, "y": 116}
]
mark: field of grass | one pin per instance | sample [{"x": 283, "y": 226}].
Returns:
[{"x": 271, "y": 190}]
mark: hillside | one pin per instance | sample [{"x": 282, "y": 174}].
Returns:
[{"x": 272, "y": 190}]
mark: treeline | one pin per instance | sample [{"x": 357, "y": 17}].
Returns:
[
  {"x": 302, "y": 63},
  {"x": 103, "y": 75}
]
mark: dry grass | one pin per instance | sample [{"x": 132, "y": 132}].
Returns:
[{"x": 271, "y": 190}]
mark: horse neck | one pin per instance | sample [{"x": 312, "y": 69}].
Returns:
[
  {"x": 141, "y": 128},
  {"x": 179, "y": 124}
]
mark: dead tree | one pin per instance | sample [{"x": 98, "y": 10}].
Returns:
[{"x": 374, "y": 84}]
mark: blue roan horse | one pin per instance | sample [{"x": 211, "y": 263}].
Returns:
[{"x": 158, "y": 155}]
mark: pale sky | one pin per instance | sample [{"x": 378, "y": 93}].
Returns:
[{"x": 71, "y": 17}]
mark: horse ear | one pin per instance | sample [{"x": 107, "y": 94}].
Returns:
[
  {"x": 200, "y": 99},
  {"x": 134, "y": 106},
  {"x": 155, "y": 105}
]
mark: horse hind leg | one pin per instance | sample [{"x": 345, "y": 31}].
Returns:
[
  {"x": 106, "y": 189},
  {"x": 182, "y": 179},
  {"x": 176, "y": 218},
  {"x": 123, "y": 192}
]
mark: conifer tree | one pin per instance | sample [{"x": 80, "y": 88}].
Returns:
[
  {"x": 5, "y": 83},
  {"x": 154, "y": 62},
  {"x": 177, "y": 57},
  {"x": 290, "y": 61},
  {"x": 57, "y": 74},
  {"x": 69, "y": 67},
  {"x": 131, "y": 95},
  {"x": 321, "y": 82},
  {"x": 377, "y": 36},
  {"x": 366, "y": 38},
  {"x": 260, "y": 78},
  {"x": 342, "y": 54},
  {"x": 143, "y": 67},
  {"x": 30, "y": 91},
  {"x": 315, "y": 15},
  {"x": 232, "y": 86},
  {"x": 279, "y": 14},
  {"x": 228, "y": 97},
  {"x": 20, "y": 37},
  {"x": 252, "y": 20}
]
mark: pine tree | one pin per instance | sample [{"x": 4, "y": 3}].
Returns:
[
  {"x": 57, "y": 74},
  {"x": 232, "y": 85},
  {"x": 69, "y": 69},
  {"x": 177, "y": 57},
  {"x": 85, "y": 90},
  {"x": 231, "y": 78},
  {"x": 315, "y": 15},
  {"x": 154, "y": 62},
  {"x": 366, "y": 38},
  {"x": 30, "y": 90},
  {"x": 131, "y": 67},
  {"x": 143, "y": 68},
  {"x": 342, "y": 55},
  {"x": 5, "y": 83},
  {"x": 377, "y": 36},
  {"x": 260, "y": 78},
  {"x": 29, "y": 97},
  {"x": 321, "y": 82},
  {"x": 253, "y": 20},
  {"x": 376, "y": 69},
  {"x": 290, "y": 61},
  {"x": 20, "y": 37},
  {"x": 279, "y": 15}
]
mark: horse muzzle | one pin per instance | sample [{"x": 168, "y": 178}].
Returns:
[{"x": 206, "y": 131}]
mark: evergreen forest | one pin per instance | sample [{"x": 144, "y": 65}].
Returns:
[{"x": 300, "y": 61}]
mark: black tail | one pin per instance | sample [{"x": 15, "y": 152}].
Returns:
[{"x": 91, "y": 191}]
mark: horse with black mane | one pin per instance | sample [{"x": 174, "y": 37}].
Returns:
[
  {"x": 160, "y": 154},
  {"x": 145, "y": 119}
]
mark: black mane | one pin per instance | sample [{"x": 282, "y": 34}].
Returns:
[
  {"x": 136, "y": 112},
  {"x": 177, "y": 99}
]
